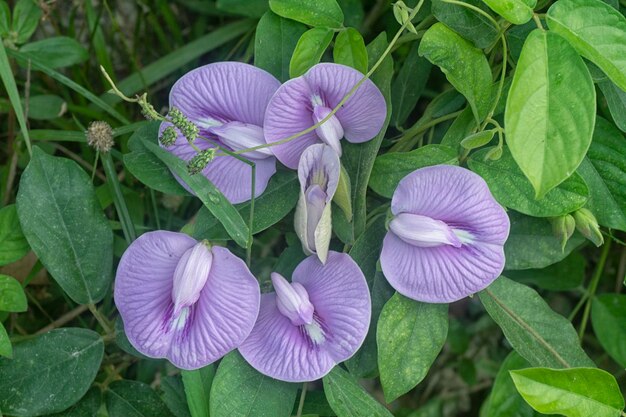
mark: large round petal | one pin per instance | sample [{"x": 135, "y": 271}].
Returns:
[
  {"x": 143, "y": 289},
  {"x": 363, "y": 114},
  {"x": 223, "y": 316},
  {"x": 445, "y": 273},
  {"x": 230, "y": 175},
  {"x": 340, "y": 296},
  {"x": 224, "y": 91}
]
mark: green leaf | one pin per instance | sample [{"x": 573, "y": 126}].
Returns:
[
  {"x": 5, "y": 343},
  {"x": 12, "y": 297},
  {"x": 608, "y": 316},
  {"x": 350, "y": 50},
  {"x": 210, "y": 196},
  {"x": 604, "y": 170},
  {"x": 578, "y": 392},
  {"x": 274, "y": 43},
  {"x": 5, "y": 19},
  {"x": 410, "y": 336},
  {"x": 46, "y": 107},
  {"x": 309, "y": 50},
  {"x": 197, "y": 388},
  {"x": 550, "y": 111},
  {"x": 348, "y": 399},
  {"x": 36, "y": 381},
  {"x": 88, "y": 406},
  {"x": 146, "y": 166},
  {"x": 478, "y": 139},
  {"x": 26, "y": 15},
  {"x": 325, "y": 13},
  {"x": 174, "y": 396},
  {"x": 504, "y": 400},
  {"x": 567, "y": 274},
  {"x": 596, "y": 30},
  {"x": 464, "y": 65},
  {"x": 462, "y": 126},
  {"x": 616, "y": 100},
  {"x": 250, "y": 8},
  {"x": 517, "y": 12},
  {"x": 134, "y": 399},
  {"x": 540, "y": 335},
  {"x": 390, "y": 168},
  {"x": 57, "y": 207},
  {"x": 511, "y": 188},
  {"x": 240, "y": 391},
  {"x": 57, "y": 52},
  {"x": 470, "y": 24},
  {"x": 408, "y": 85},
  {"x": 276, "y": 202},
  {"x": 13, "y": 244},
  {"x": 532, "y": 244}
]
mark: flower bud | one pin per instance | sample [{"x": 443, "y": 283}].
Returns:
[
  {"x": 168, "y": 137},
  {"x": 186, "y": 127},
  {"x": 563, "y": 227},
  {"x": 100, "y": 136},
  {"x": 587, "y": 225},
  {"x": 200, "y": 161}
]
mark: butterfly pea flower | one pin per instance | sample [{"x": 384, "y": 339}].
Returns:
[
  {"x": 318, "y": 172},
  {"x": 307, "y": 100},
  {"x": 184, "y": 300},
  {"x": 446, "y": 238},
  {"x": 227, "y": 102},
  {"x": 310, "y": 324}
]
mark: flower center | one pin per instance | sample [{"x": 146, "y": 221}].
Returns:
[
  {"x": 425, "y": 232},
  {"x": 292, "y": 300},
  {"x": 239, "y": 136},
  {"x": 331, "y": 131},
  {"x": 190, "y": 277}
]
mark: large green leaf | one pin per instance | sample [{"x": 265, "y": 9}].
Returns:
[
  {"x": 5, "y": 343},
  {"x": 578, "y": 392},
  {"x": 197, "y": 389},
  {"x": 12, "y": 297},
  {"x": 532, "y": 244},
  {"x": 408, "y": 85},
  {"x": 309, "y": 50},
  {"x": 465, "y": 66},
  {"x": 540, "y": 335},
  {"x": 240, "y": 391},
  {"x": 604, "y": 170},
  {"x": 88, "y": 406},
  {"x": 348, "y": 399},
  {"x": 470, "y": 24},
  {"x": 391, "y": 167},
  {"x": 550, "y": 111},
  {"x": 517, "y": 12},
  {"x": 210, "y": 196},
  {"x": 567, "y": 274},
  {"x": 13, "y": 244},
  {"x": 174, "y": 396},
  {"x": 616, "y": 100},
  {"x": 410, "y": 336},
  {"x": 512, "y": 189},
  {"x": 57, "y": 52},
  {"x": 276, "y": 202},
  {"x": 65, "y": 226},
  {"x": 274, "y": 42},
  {"x": 134, "y": 399},
  {"x": 608, "y": 316},
  {"x": 50, "y": 372},
  {"x": 596, "y": 30},
  {"x": 144, "y": 165},
  {"x": 325, "y": 13},
  {"x": 350, "y": 50}
]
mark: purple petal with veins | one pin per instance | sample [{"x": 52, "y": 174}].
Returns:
[
  {"x": 304, "y": 101},
  {"x": 227, "y": 101},
  {"x": 288, "y": 343},
  {"x": 183, "y": 300},
  {"x": 446, "y": 237}
]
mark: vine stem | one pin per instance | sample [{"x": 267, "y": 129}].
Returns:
[
  {"x": 100, "y": 318},
  {"x": 593, "y": 286},
  {"x": 302, "y": 397}
]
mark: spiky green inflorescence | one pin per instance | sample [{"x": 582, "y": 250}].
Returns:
[
  {"x": 168, "y": 137},
  {"x": 200, "y": 161},
  {"x": 186, "y": 127}
]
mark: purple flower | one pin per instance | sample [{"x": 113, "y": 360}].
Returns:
[
  {"x": 184, "y": 300},
  {"x": 446, "y": 238},
  {"x": 304, "y": 101},
  {"x": 227, "y": 101},
  {"x": 318, "y": 172},
  {"x": 311, "y": 324}
]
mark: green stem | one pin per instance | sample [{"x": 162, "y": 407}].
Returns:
[
  {"x": 100, "y": 318},
  {"x": 118, "y": 198},
  {"x": 302, "y": 397},
  {"x": 593, "y": 286},
  {"x": 538, "y": 21}
]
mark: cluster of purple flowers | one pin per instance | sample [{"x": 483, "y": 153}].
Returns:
[{"x": 191, "y": 302}]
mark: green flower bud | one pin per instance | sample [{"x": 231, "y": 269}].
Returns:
[
  {"x": 186, "y": 127},
  {"x": 200, "y": 161},
  {"x": 168, "y": 137},
  {"x": 563, "y": 227},
  {"x": 587, "y": 224}
]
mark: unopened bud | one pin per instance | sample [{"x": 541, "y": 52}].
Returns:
[
  {"x": 587, "y": 224},
  {"x": 168, "y": 137},
  {"x": 563, "y": 227},
  {"x": 493, "y": 154},
  {"x": 186, "y": 127},
  {"x": 200, "y": 161},
  {"x": 100, "y": 136}
]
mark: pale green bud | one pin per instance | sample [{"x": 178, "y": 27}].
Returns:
[{"x": 587, "y": 224}]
